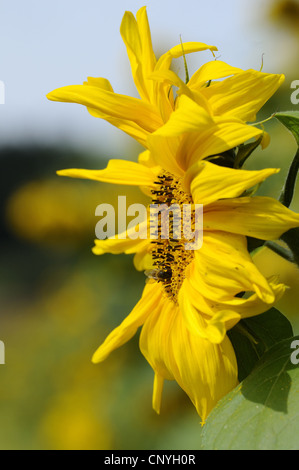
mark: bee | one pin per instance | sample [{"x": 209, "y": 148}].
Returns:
[{"x": 159, "y": 274}]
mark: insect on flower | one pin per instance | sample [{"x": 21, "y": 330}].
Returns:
[{"x": 158, "y": 274}]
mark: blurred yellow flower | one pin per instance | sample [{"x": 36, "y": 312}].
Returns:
[
  {"x": 285, "y": 11},
  {"x": 52, "y": 212},
  {"x": 45, "y": 211},
  {"x": 269, "y": 263},
  {"x": 70, "y": 424}
]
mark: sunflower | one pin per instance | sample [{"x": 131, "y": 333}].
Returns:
[
  {"x": 187, "y": 311},
  {"x": 192, "y": 297},
  {"x": 240, "y": 95}
]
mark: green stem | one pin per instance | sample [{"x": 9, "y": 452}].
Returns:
[
  {"x": 280, "y": 250},
  {"x": 289, "y": 187},
  {"x": 185, "y": 62},
  {"x": 291, "y": 238},
  {"x": 244, "y": 331}
]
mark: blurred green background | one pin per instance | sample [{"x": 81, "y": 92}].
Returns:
[{"x": 58, "y": 300}]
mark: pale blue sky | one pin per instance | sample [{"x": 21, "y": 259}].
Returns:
[{"x": 46, "y": 44}]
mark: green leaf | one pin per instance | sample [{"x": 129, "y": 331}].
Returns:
[
  {"x": 290, "y": 119},
  {"x": 291, "y": 238},
  {"x": 254, "y": 244},
  {"x": 262, "y": 413},
  {"x": 244, "y": 151},
  {"x": 252, "y": 337},
  {"x": 289, "y": 187},
  {"x": 225, "y": 159}
]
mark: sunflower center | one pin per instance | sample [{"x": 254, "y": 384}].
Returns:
[{"x": 170, "y": 256}]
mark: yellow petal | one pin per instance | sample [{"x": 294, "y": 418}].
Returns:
[
  {"x": 171, "y": 78},
  {"x": 143, "y": 259},
  {"x": 205, "y": 371},
  {"x": 114, "y": 105},
  {"x": 220, "y": 322},
  {"x": 117, "y": 172},
  {"x": 209, "y": 182},
  {"x": 243, "y": 94},
  {"x": 223, "y": 268},
  {"x": 100, "y": 82},
  {"x": 270, "y": 263},
  {"x": 211, "y": 320},
  {"x": 258, "y": 217},
  {"x": 123, "y": 242},
  {"x": 137, "y": 38},
  {"x": 203, "y": 134},
  {"x": 126, "y": 330},
  {"x": 246, "y": 306},
  {"x": 146, "y": 40},
  {"x": 163, "y": 152},
  {"x": 129, "y": 127},
  {"x": 177, "y": 51},
  {"x": 117, "y": 245},
  {"x": 211, "y": 71},
  {"x": 153, "y": 342},
  {"x": 165, "y": 101},
  {"x": 225, "y": 134},
  {"x": 253, "y": 305},
  {"x": 265, "y": 140},
  {"x": 189, "y": 117},
  {"x": 212, "y": 328},
  {"x": 146, "y": 158}
]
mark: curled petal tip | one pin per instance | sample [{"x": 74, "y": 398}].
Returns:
[{"x": 96, "y": 358}]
